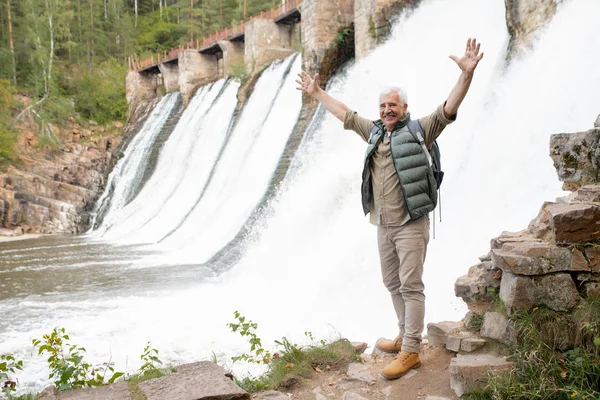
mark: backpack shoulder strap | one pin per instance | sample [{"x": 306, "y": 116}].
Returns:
[
  {"x": 415, "y": 128},
  {"x": 376, "y": 127}
]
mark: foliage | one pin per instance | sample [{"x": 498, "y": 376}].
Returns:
[
  {"x": 100, "y": 94},
  {"x": 239, "y": 72},
  {"x": 150, "y": 360},
  {"x": 8, "y": 367},
  {"x": 342, "y": 35},
  {"x": 258, "y": 354},
  {"x": 540, "y": 371},
  {"x": 7, "y": 135},
  {"x": 67, "y": 365},
  {"x": 290, "y": 359}
]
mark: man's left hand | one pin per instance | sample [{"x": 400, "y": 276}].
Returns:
[{"x": 468, "y": 62}]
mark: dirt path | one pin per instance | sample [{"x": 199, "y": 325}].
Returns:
[{"x": 430, "y": 382}]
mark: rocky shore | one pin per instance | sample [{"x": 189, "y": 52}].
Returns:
[{"x": 51, "y": 189}]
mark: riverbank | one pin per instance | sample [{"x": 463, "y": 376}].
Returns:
[{"x": 25, "y": 236}]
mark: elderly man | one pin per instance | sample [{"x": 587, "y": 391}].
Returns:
[{"x": 398, "y": 190}]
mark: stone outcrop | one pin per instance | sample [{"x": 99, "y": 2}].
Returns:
[
  {"x": 576, "y": 157},
  {"x": 51, "y": 191},
  {"x": 198, "y": 381},
  {"x": 469, "y": 372},
  {"x": 552, "y": 264},
  {"x": 524, "y": 18}
]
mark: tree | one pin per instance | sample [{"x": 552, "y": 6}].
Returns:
[{"x": 11, "y": 43}]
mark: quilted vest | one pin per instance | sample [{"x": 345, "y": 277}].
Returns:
[{"x": 415, "y": 175}]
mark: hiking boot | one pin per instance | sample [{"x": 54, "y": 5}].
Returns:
[
  {"x": 403, "y": 363},
  {"x": 389, "y": 346}
]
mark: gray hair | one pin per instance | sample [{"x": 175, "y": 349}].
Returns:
[{"x": 395, "y": 89}]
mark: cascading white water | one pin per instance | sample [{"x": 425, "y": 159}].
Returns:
[
  {"x": 182, "y": 169},
  {"x": 314, "y": 264},
  {"x": 130, "y": 169},
  {"x": 245, "y": 169}
]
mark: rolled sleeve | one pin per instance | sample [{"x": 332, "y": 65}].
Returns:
[
  {"x": 434, "y": 124},
  {"x": 362, "y": 126}
]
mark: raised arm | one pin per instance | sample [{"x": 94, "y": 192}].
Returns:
[
  {"x": 311, "y": 87},
  {"x": 467, "y": 64}
]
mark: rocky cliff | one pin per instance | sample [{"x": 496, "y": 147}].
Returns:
[
  {"x": 552, "y": 265},
  {"x": 49, "y": 190}
]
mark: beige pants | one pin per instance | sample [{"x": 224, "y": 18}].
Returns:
[{"x": 402, "y": 252}]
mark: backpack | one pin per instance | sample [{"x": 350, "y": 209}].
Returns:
[{"x": 433, "y": 155}]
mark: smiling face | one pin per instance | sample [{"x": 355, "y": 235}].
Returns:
[{"x": 391, "y": 109}]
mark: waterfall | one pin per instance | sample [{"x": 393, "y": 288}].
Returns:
[
  {"x": 127, "y": 174},
  {"x": 311, "y": 263},
  {"x": 182, "y": 168}
]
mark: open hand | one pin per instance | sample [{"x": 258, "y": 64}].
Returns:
[
  {"x": 468, "y": 62},
  {"x": 307, "y": 84}
]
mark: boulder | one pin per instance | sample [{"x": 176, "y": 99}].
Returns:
[
  {"x": 556, "y": 291},
  {"x": 535, "y": 258},
  {"x": 360, "y": 372},
  {"x": 201, "y": 380},
  {"x": 574, "y": 223},
  {"x": 511, "y": 238},
  {"x": 482, "y": 279},
  {"x": 359, "y": 347},
  {"x": 468, "y": 373},
  {"x": 437, "y": 333},
  {"x": 472, "y": 344},
  {"x": 116, "y": 391},
  {"x": 498, "y": 327},
  {"x": 597, "y": 122},
  {"x": 585, "y": 194},
  {"x": 576, "y": 157},
  {"x": 539, "y": 227}
]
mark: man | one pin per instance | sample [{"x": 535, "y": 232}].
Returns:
[{"x": 399, "y": 191}]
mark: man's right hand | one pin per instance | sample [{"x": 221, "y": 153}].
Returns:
[{"x": 307, "y": 84}]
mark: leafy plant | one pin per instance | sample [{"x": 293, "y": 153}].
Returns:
[
  {"x": 290, "y": 359},
  {"x": 8, "y": 367},
  {"x": 151, "y": 361},
  {"x": 67, "y": 365},
  {"x": 247, "y": 329}
]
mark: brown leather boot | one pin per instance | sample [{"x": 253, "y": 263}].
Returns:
[
  {"x": 389, "y": 346},
  {"x": 403, "y": 363}
]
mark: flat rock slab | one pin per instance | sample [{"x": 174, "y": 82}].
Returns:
[
  {"x": 352, "y": 396},
  {"x": 272, "y": 395},
  {"x": 556, "y": 291},
  {"x": 116, "y": 391},
  {"x": 468, "y": 372},
  {"x": 197, "y": 381},
  {"x": 360, "y": 372},
  {"x": 533, "y": 258},
  {"x": 437, "y": 333},
  {"x": 574, "y": 223}
]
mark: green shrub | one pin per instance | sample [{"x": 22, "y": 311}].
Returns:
[
  {"x": 67, "y": 365},
  {"x": 100, "y": 94},
  {"x": 291, "y": 359},
  {"x": 8, "y": 137},
  {"x": 540, "y": 371}
]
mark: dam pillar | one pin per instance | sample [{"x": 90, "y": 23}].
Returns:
[
  {"x": 264, "y": 42},
  {"x": 233, "y": 57},
  {"x": 373, "y": 22},
  {"x": 324, "y": 24},
  {"x": 196, "y": 69},
  {"x": 170, "y": 76},
  {"x": 140, "y": 86}
]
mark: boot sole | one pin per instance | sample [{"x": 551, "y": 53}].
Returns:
[{"x": 391, "y": 378}]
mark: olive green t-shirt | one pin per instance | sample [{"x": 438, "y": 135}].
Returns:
[{"x": 388, "y": 206}]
